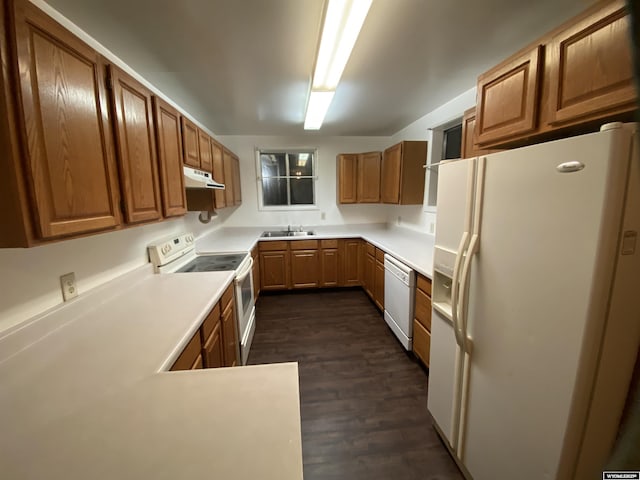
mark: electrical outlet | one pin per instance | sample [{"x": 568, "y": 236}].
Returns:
[
  {"x": 323, "y": 216},
  {"x": 68, "y": 285},
  {"x": 432, "y": 227}
]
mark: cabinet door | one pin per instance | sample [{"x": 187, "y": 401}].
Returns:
[
  {"x": 369, "y": 165},
  {"x": 391, "y": 171},
  {"x": 369, "y": 275},
  {"x": 469, "y": 148},
  {"x": 227, "y": 161},
  {"x": 304, "y": 268},
  {"x": 72, "y": 173},
  {"x": 421, "y": 342},
  {"x": 169, "y": 143},
  {"x": 256, "y": 273},
  {"x": 204, "y": 146},
  {"x": 212, "y": 350},
  {"x": 190, "y": 143},
  {"x": 508, "y": 98},
  {"x": 237, "y": 190},
  {"x": 592, "y": 68},
  {"x": 136, "y": 149},
  {"x": 378, "y": 288},
  {"x": 347, "y": 178},
  {"x": 350, "y": 263},
  {"x": 198, "y": 364},
  {"x": 230, "y": 336},
  {"x": 218, "y": 173},
  {"x": 423, "y": 308},
  {"x": 274, "y": 270},
  {"x": 329, "y": 267},
  {"x": 189, "y": 355}
]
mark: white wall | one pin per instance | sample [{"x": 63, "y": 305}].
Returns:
[
  {"x": 248, "y": 214},
  {"x": 419, "y": 217},
  {"x": 30, "y": 277}
]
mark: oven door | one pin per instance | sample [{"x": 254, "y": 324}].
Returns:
[{"x": 245, "y": 308}]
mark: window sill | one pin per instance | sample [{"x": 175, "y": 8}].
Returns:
[{"x": 288, "y": 208}]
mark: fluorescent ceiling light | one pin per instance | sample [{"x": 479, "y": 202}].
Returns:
[
  {"x": 342, "y": 23},
  {"x": 316, "y": 109}
]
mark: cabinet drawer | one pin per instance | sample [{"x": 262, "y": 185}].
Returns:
[
  {"x": 189, "y": 355},
  {"x": 210, "y": 322},
  {"x": 303, "y": 244},
  {"x": 332, "y": 243},
  {"x": 273, "y": 245},
  {"x": 227, "y": 296},
  {"x": 424, "y": 284},
  {"x": 423, "y": 309},
  {"x": 371, "y": 250},
  {"x": 421, "y": 342},
  {"x": 380, "y": 255}
]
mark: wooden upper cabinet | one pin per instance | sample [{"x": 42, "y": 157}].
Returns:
[
  {"x": 469, "y": 148},
  {"x": 347, "y": 177},
  {"x": 237, "y": 189},
  {"x": 71, "y": 172},
  {"x": 591, "y": 63},
  {"x": 403, "y": 173},
  {"x": 508, "y": 98},
  {"x": 169, "y": 148},
  {"x": 369, "y": 165},
  {"x": 204, "y": 146},
  {"x": 190, "y": 143},
  {"x": 135, "y": 146},
  {"x": 228, "y": 166},
  {"x": 218, "y": 173}
]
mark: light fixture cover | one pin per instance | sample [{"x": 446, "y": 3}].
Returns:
[{"x": 316, "y": 109}]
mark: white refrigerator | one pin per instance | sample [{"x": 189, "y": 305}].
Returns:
[{"x": 536, "y": 305}]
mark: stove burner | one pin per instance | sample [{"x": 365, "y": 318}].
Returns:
[{"x": 214, "y": 263}]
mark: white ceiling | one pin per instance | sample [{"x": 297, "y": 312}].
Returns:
[{"x": 242, "y": 67}]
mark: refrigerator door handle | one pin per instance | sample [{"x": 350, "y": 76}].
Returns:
[{"x": 454, "y": 287}]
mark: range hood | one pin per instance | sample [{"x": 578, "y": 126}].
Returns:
[{"x": 199, "y": 179}]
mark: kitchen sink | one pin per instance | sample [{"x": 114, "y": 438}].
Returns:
[{"x": 286, "y": 233}]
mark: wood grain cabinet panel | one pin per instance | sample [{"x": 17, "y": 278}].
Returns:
[
  {"x": 274, "y": 270},
  {"x": 198, "y": 364},
  {"x": 403, "y": 173},
  {"x": 378, "y": 285},
  {"x": 228, "y": 166},
  {"x": 421, "y": 342},
  {"x": 169, "y": 143},
  {"x": 592, "y": 67},
  {"x": 237, "y": 189},
  {"x": 204, "y": 147},
  {"x": 230, "y": 336},
  {"x": 350, "y": 262},
  {"x": 135, "y": 146},
  {"x": 304, "y": 268},
  {"x": 190, "y": 142},
  {"x": 255, "y": 273},
  {"x": 71, "y": 169},
  {"x": 469, "y": 148},
  {"x": 212, "y": 348},
  {"x": 347, "y": 166},
  {"x": 189, "y": 356},
  {"x": 423, "y": 308},
  {"x": 508, "y": 98},
  {"x": 368, "y": 281},
  {"x": 218, "y": 173},
  {"x": 369, "y": 165},
  {"x": 329, "y": 267}
]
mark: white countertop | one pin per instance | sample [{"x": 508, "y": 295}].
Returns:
[
  {"x": 409, "y": 246},
  {"x": 83, "y": 393}
]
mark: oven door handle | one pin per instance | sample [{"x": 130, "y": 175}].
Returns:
[{"x": 240, "y": 277}]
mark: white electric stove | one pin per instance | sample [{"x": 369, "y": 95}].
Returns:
[{"x": 178, "y": 255}]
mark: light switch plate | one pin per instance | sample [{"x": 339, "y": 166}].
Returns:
[{"x": 68, "y": 285}]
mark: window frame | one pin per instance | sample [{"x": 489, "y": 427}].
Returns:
[{"x": 287, "y": 151}]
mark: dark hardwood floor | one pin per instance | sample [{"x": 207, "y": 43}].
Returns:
[{"x": 363, "y": 398}]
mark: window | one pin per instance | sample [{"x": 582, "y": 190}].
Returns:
[
  {"x": 452, "y": 142},
  {"x": 447, "y": 144},
  {"x": 286, "y": 179}
]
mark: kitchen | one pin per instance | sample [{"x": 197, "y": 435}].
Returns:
[{"x": 31, "y": 276}]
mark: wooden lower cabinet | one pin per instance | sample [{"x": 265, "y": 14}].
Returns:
[
  {"x": 189, "y": 356},
  {"x": 421, "y": 342},
  {"x": 378, "y": 285},
  {"x": 422, "y": 320},
  {"x": 212, "y": 348},
  {"x": 304, "y": 269},
  {"x": 329, "y": 263},
  {"x": 255, "y": 273},
  {"x": 274, "y": 270},
  {"x": 229, "y": 336},
  {"x": 350, "y": 262},
  {"x": 368, "y": 280}
]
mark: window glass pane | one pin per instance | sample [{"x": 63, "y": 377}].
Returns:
[
  {"x": 301, "y": 191},
  {"x": 452, "y": 142},
  {"x": 273, "y": 164},
  {"x": 274, "y": 191},
  {"x": 301, "y": 164}
]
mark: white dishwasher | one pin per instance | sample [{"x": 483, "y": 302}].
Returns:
[{"x": 399, "y": 294}]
